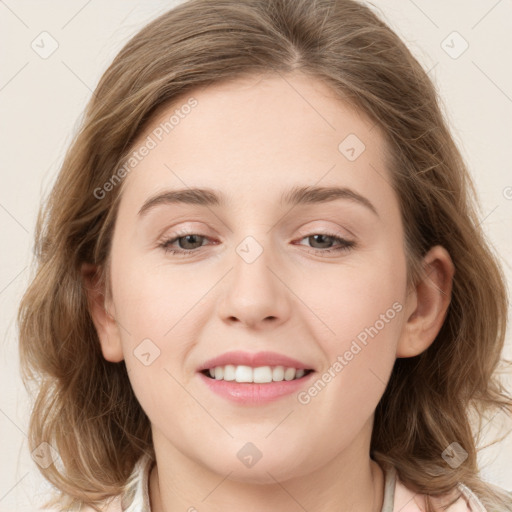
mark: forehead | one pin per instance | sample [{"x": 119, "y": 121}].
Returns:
[{"x": 257, "y": 134}]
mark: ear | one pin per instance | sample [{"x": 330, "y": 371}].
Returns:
[
  {"x": 427, "y": 304},
  {"x": 102, "y": 312}
]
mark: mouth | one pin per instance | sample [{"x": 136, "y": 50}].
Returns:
[{"x": 255, "y": 375}]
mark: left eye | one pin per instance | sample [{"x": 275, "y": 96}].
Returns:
[
  {"x": 191, "y": 242},
  {"x": 321, "y": 237}
]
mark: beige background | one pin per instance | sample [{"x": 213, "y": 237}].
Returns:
[{"x": 41, "y": 101}]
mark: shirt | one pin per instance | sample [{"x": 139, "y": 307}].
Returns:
[{"x": 397, "y": 497}]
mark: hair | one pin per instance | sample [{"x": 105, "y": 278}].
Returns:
[{"x": 85, "y": 407}]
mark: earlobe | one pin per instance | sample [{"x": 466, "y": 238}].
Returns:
[
  {"x": 102, "y": 314},
  {"x": 427, "y": 304}
]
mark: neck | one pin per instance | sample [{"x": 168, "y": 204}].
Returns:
[{"x": 344, "y": 483}]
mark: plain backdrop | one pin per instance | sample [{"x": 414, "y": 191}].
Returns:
[{"x": 465, "y": 46}]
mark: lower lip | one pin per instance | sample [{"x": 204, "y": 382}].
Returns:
[{"x": 255, "y": 394}]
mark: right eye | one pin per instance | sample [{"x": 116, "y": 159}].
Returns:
[{"x": 190, "y": 239}]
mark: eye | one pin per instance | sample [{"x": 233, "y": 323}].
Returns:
[
  {"x": 189, "y": 243},
  {"x": 329, "y": 238}
]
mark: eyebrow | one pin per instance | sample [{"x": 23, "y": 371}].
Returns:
[{"x": 299, "y": 195}]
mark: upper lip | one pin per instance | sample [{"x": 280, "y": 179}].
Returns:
[{"x": 253, "y": 359}]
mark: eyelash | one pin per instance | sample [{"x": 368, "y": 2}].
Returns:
[{"x": 346, "y": 245}]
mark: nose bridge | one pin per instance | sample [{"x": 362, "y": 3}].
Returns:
[
  {"x": 255, "y": 250},
  {"x": 252, "y": 264},
  {"x": 254, "y": 292}
]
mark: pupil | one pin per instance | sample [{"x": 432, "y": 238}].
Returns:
[
  {"x": 325, "y": 236},
  {"x": 186, "y": 238}
]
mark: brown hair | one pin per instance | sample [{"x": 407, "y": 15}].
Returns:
[{"x": 85, "y": 407}]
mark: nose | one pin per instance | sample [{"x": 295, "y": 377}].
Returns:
[{"x": 254, "y": 293}]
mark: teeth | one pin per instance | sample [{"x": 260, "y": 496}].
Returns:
[
  {"x": 259, "y": 375},
  {"x": 229, "y": 372}
]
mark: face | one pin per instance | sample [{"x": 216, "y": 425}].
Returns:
[{"x": 320, "y": 281}]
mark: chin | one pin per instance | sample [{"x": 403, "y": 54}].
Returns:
[
  {"x": 262, "y": 475},
  {"x": 266, "y": 470}
]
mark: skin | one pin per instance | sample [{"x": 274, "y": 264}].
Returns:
[{"x": 251, "y": 139}]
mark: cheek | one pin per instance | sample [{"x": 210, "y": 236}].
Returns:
[
  {"x": 361, "y": 309},
  {"x": 151, "y": 299},
  {"x": 352, "y": 296},
  {"x": 151, "y": 311}
]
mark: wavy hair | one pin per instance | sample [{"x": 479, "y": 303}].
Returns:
[{"x": 84, "y": 406}]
